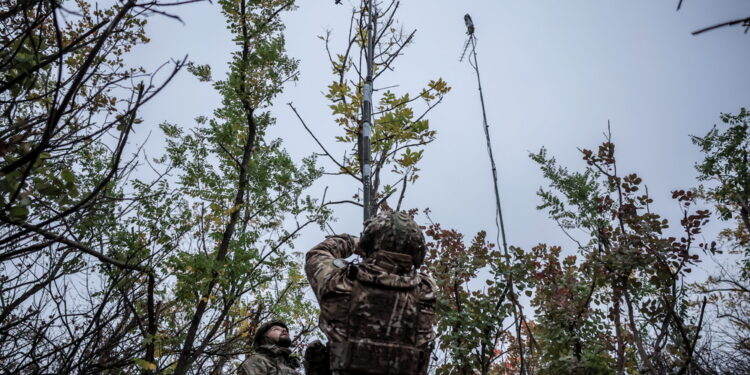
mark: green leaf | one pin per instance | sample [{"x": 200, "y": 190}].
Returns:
[
  {"x": 68, "y": 176},
  {"x": 47, "y": 189},
  {"x": 20, "y": 212},
  {"x": 144, "y": 364}
]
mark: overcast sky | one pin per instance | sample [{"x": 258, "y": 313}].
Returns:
[{"x": 553, "y": 72}]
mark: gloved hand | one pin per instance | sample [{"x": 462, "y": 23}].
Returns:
[
  {"x": 358, "y": 250},
  {"x": 353, "y": 241}
]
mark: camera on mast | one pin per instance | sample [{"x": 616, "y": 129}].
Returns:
[{"x": 469, "y": 24}]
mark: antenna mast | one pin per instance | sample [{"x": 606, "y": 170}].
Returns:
[
  {"x": 498, "y": 210},
  {"x": 475, "y": 65},
  {"x": 367, "y": 109}
]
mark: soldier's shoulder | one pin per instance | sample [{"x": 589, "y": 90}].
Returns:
[
  {"x": 255, "y": 356},
  {"x": 254, "y": 362}
]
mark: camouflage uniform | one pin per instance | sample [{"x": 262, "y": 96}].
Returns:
[
  {"x": 268, "y": 359},
  {"x": 377, "y": 315}
]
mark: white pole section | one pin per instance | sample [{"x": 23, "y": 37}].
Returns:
[{"x": 367, "y": 110}]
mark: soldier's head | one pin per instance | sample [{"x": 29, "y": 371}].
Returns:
[
  {"x": 272, "y": 333},
  {"x": 393, "y": 231}
]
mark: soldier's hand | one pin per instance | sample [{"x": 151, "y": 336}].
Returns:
[
  {"x": 317, "y": 361},
  {"x": 315, "y": 347},
  {"x": 352, "y": 243}
]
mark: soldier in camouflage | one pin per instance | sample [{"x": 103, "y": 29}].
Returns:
[
  {"x": 378, "y": 314},
  {"x": 272, "y": 354}
]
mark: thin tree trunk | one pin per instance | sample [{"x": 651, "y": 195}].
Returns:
[
  {"x": 620, "y": 349},
  {"x": 186, "y": 355},
  {"x": 637, "y": 337}
]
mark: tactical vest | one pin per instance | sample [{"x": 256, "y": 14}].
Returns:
[{"x": 381, "y": 329}]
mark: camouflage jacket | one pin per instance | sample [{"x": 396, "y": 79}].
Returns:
[
  {"x": 271, "y": 360},
  {"x": 332, "y": 282}
]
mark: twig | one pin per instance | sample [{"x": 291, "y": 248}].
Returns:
[
  {"x": 745, "y": 21},
  {"x": 343, "y": 168},
  {"x": 74, "y": 244},
  {"x": 344, "y": 201}
]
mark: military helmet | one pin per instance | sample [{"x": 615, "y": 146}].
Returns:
[
  {"x": 260, "y": 334},
  {"x": 393, "y": 231}
]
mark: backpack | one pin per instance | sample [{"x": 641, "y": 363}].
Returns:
[{"x": 381, "y": 329}]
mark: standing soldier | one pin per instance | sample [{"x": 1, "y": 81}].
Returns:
[
  {"x": 272, "y": 355},
  {"x": 378, "y": 314}
]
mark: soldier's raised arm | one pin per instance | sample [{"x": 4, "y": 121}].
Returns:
[{"x": 320, "y": 265}]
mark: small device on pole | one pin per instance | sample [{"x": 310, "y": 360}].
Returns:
[
  {"x": 367, "y": 110},
  {"x": 470, "y": 32},
  {"x": 469, "y": 24}
]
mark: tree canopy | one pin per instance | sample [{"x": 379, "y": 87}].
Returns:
[{"x": 165, "y": 256}]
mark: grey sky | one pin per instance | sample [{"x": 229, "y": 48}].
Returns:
[{"x": 554, "y": 73}]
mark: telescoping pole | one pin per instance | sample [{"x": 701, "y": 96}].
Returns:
[
  {"x": 518, "y": 314},
  {"x": 486, "y": 126},
  {"x": 367, "y": 111}
]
